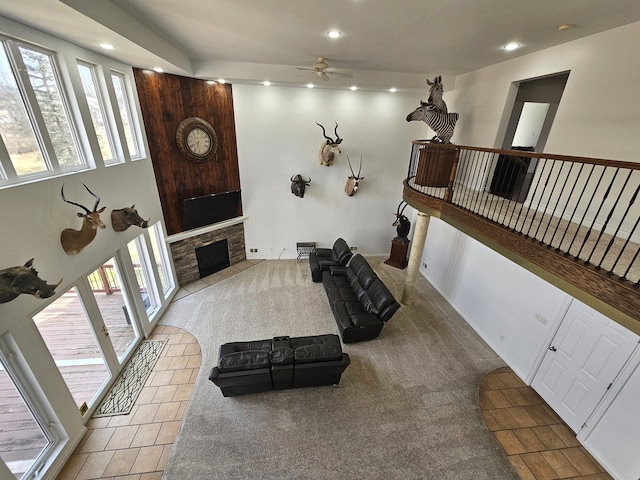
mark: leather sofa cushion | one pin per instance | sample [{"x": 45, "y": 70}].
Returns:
[
  {"x": 227, "y": 348},
  {"x": 361, "y": 269},
  {"x": 281, "y": 356},
  {"x": 341, "y": 251},
  {"x": 317, "y": 353},
  {"x": 382, "y": 300},
  {"x": 246, "y": 360}
]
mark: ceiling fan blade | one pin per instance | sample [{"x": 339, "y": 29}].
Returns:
[
  {"x": 340, "y": 74},
  {"x": 306, "y": 69},
  {"x": 325, "y": 77}
]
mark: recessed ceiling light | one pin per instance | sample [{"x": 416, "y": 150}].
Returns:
[
  {"x": 211, "y": 82},
  {"x": 354, "y": 88},
  {"x": 158, "y": 69},
  {"x": 511, "y": 46},
  {"x": 266, "y": 83},
  {"x": 334, "y": 33},
  {"x": 310, "y": 85},
  {"x": 393, "y": 90},
  {"x": 107, "y": 46},
  {"x": 222, "y": 80}
]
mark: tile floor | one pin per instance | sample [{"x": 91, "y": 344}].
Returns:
[
  {"x": 137, "y": 446},
  {"x": 537, "y": 442}
]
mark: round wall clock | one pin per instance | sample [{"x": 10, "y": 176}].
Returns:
[{"x": 196, "y": 139}]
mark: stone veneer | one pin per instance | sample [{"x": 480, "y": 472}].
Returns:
[{"x": 184, "y": 251}]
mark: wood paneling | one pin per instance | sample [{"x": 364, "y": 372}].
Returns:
[{"x": 165, "y": 101}]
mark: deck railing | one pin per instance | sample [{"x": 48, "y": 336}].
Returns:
[{"x": 584, "y": 208}]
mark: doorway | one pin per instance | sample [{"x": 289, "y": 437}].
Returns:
[{"x": 532, "y": 115}]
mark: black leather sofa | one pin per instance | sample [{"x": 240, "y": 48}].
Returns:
[
  {"x": 360, "y": 302},
  {"x": 278, "y": 364},
  {"x": 322, "y": 259}
]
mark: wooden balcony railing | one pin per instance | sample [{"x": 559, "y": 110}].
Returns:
[{"x": 571, "y": 220}]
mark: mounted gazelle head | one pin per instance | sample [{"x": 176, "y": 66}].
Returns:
[
  {"x": 330, "y": 148},
  {"x": 24, "y": 279},
  {"x": 298, "y": 185},
  {"x": 74, "y": 241},
  {"x": 123, "y": 218},
  {"x": 402, "y": 223},
  {"x": 353, "y": 182}
]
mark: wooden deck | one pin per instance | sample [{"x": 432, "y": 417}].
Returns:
[{"x": 72, "y": 343}]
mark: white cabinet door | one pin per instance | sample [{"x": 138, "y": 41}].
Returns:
[{"x": 584, "y": 357}]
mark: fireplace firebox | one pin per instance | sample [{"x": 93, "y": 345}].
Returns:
[{"x": 213, "y": 257}]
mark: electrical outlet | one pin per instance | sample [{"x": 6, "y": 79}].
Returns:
[
  {"x": 354, "y": 248},
  {"x": 253, "y": 250},
  {"x": 424, "y": 264}
]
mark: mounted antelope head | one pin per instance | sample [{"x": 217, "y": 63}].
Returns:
[
  {"x": 353, "y": 182},
  {"x": 402, "y": 223},
  {"x": 24, "y": 279},
  {"x": 330, "y": 148},
  {"x": 73, "y": 241},
  {"x": 298, "y": 185},
  {"x": 123, "y": 218}
]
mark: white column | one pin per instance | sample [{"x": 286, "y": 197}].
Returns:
[{"x": 415, "y": 256}]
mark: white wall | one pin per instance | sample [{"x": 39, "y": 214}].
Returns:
[
  {"x": 597, "y": 117},
  {"x": 278, "y": 137}
]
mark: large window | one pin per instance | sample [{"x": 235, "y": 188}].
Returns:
[{"x": 119, "y": 86}]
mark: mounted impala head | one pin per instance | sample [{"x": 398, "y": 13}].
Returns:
[
  {"x": 24, "y": 279},
  {"x": 353, "y": 182},
  {"x": 123, "y": 218},
  {"x": 73, "y": 241},
  {"x": 330, "y": 148}
]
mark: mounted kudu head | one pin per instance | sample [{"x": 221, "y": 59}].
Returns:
[
  {"x": 330, "y": 148},
  {"x": 353, "y": 182},
  {"x": 298, "y": 185},
  {"x": 402, "y": 223},
  {"x": 123, "y": 218},
  {"x": 74, "y": 241},
  {"x": 24, "y": 279}
]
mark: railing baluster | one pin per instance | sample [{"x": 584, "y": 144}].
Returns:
[
  {"x": 575, "y": 184},
  {"x": 632, "y": 200},
  {"x": 544, "y": 210}
]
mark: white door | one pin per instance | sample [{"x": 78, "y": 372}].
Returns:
[{"x": 584, "y": 357}]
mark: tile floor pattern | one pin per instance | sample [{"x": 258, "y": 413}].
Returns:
[
  {"x": 537, "y": 442},
  {"x": 137, "y": 446}
]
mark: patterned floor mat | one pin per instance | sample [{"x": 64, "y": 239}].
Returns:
[{"x": 124, "y": 393}]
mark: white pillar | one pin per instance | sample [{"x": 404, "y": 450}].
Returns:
[{"x": 415, "y": 256}]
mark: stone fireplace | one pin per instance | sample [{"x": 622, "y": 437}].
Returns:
[{"x": 184, "y": 245}]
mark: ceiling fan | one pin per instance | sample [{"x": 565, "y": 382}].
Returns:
[{"x": 322, "y": 69}]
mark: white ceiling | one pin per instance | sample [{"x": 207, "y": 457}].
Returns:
[{"x": 384, "y": 43}]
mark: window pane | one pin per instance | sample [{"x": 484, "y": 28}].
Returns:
[
  {"x": 22, "y": 439},
  {"x": 91, "y": 92},
  {"x": 15, "y": 127},
  {"x": 142, "y": 275},
  {"x": 65, "y": 329},
  {"x": 125, "y": 114},
  {"x": 160, "y": 255},
  {"x": 107, "y": 290},
  {"x": 47, "y": 90}
]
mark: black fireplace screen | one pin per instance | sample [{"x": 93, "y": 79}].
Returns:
[{"x": 213, "y": 258}]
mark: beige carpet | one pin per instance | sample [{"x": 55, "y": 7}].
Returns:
[{"x": 407, "y": 407}]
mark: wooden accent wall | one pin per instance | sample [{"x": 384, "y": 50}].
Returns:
[{"x": 165, "y": 101}]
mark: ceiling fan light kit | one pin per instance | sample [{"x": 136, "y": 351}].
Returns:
[{"x": 322, "y": 69}]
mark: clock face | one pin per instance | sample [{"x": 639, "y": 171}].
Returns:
[{"x": 198, "y": 141}]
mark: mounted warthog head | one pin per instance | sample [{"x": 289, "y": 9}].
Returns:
[
  {"x": 298, "y": 185},
  {"x": 24, "y": 279},
  {"x": 125, "y": 217},
  {"x": 74, "y": 241},
  {"x": 330, "y": 148},
  {"x": 353, "y": 182}
]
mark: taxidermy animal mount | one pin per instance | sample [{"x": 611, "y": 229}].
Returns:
[
  {"x": 353, "y": 182},
  {"x": 74, "y": 241},
  {"x": 402, "y": 223},
  {"x": 442, "y": 124},
  {"x": 435, "y": 94},
  {"x": 330, "y": 148},
  {"x": 24, "y": 279},
  {"x": 125, "y": 217},
  {"x": 298, "y": 185}
]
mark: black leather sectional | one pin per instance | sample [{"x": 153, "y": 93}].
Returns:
[
  {"x": 278, "y": 364},
  {"x": 360, "y": 301},
  {"x": 322, "y": 259}
]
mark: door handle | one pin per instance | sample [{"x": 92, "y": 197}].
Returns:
[{"x": 552, "y": 348}]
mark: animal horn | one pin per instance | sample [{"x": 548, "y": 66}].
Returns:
[
  {"x": 338, "y": 139},
  {"x": 360, "y": 169},
  {"x": 405, "y": 206},
  {"x": 74, "y": 203},
  {"x": 292, "y": 178},
  {"x": 95, "y": 206},
  {"x": 350, "y": 167},
  {"x": 323, "y": 132}
]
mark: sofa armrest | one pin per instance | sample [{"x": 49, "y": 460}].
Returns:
[
  {"x": 323, "y": 252},
  {"x": 364, "y": 320},
  {"x": 338, "y": 271}
]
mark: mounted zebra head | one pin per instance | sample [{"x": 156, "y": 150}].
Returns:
[
  {"x": 435, "y": 94},
  {"x": 442, "y": 124},
  {"x": 330, "y": 148},
  {"x": 353, "y": 182}
]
